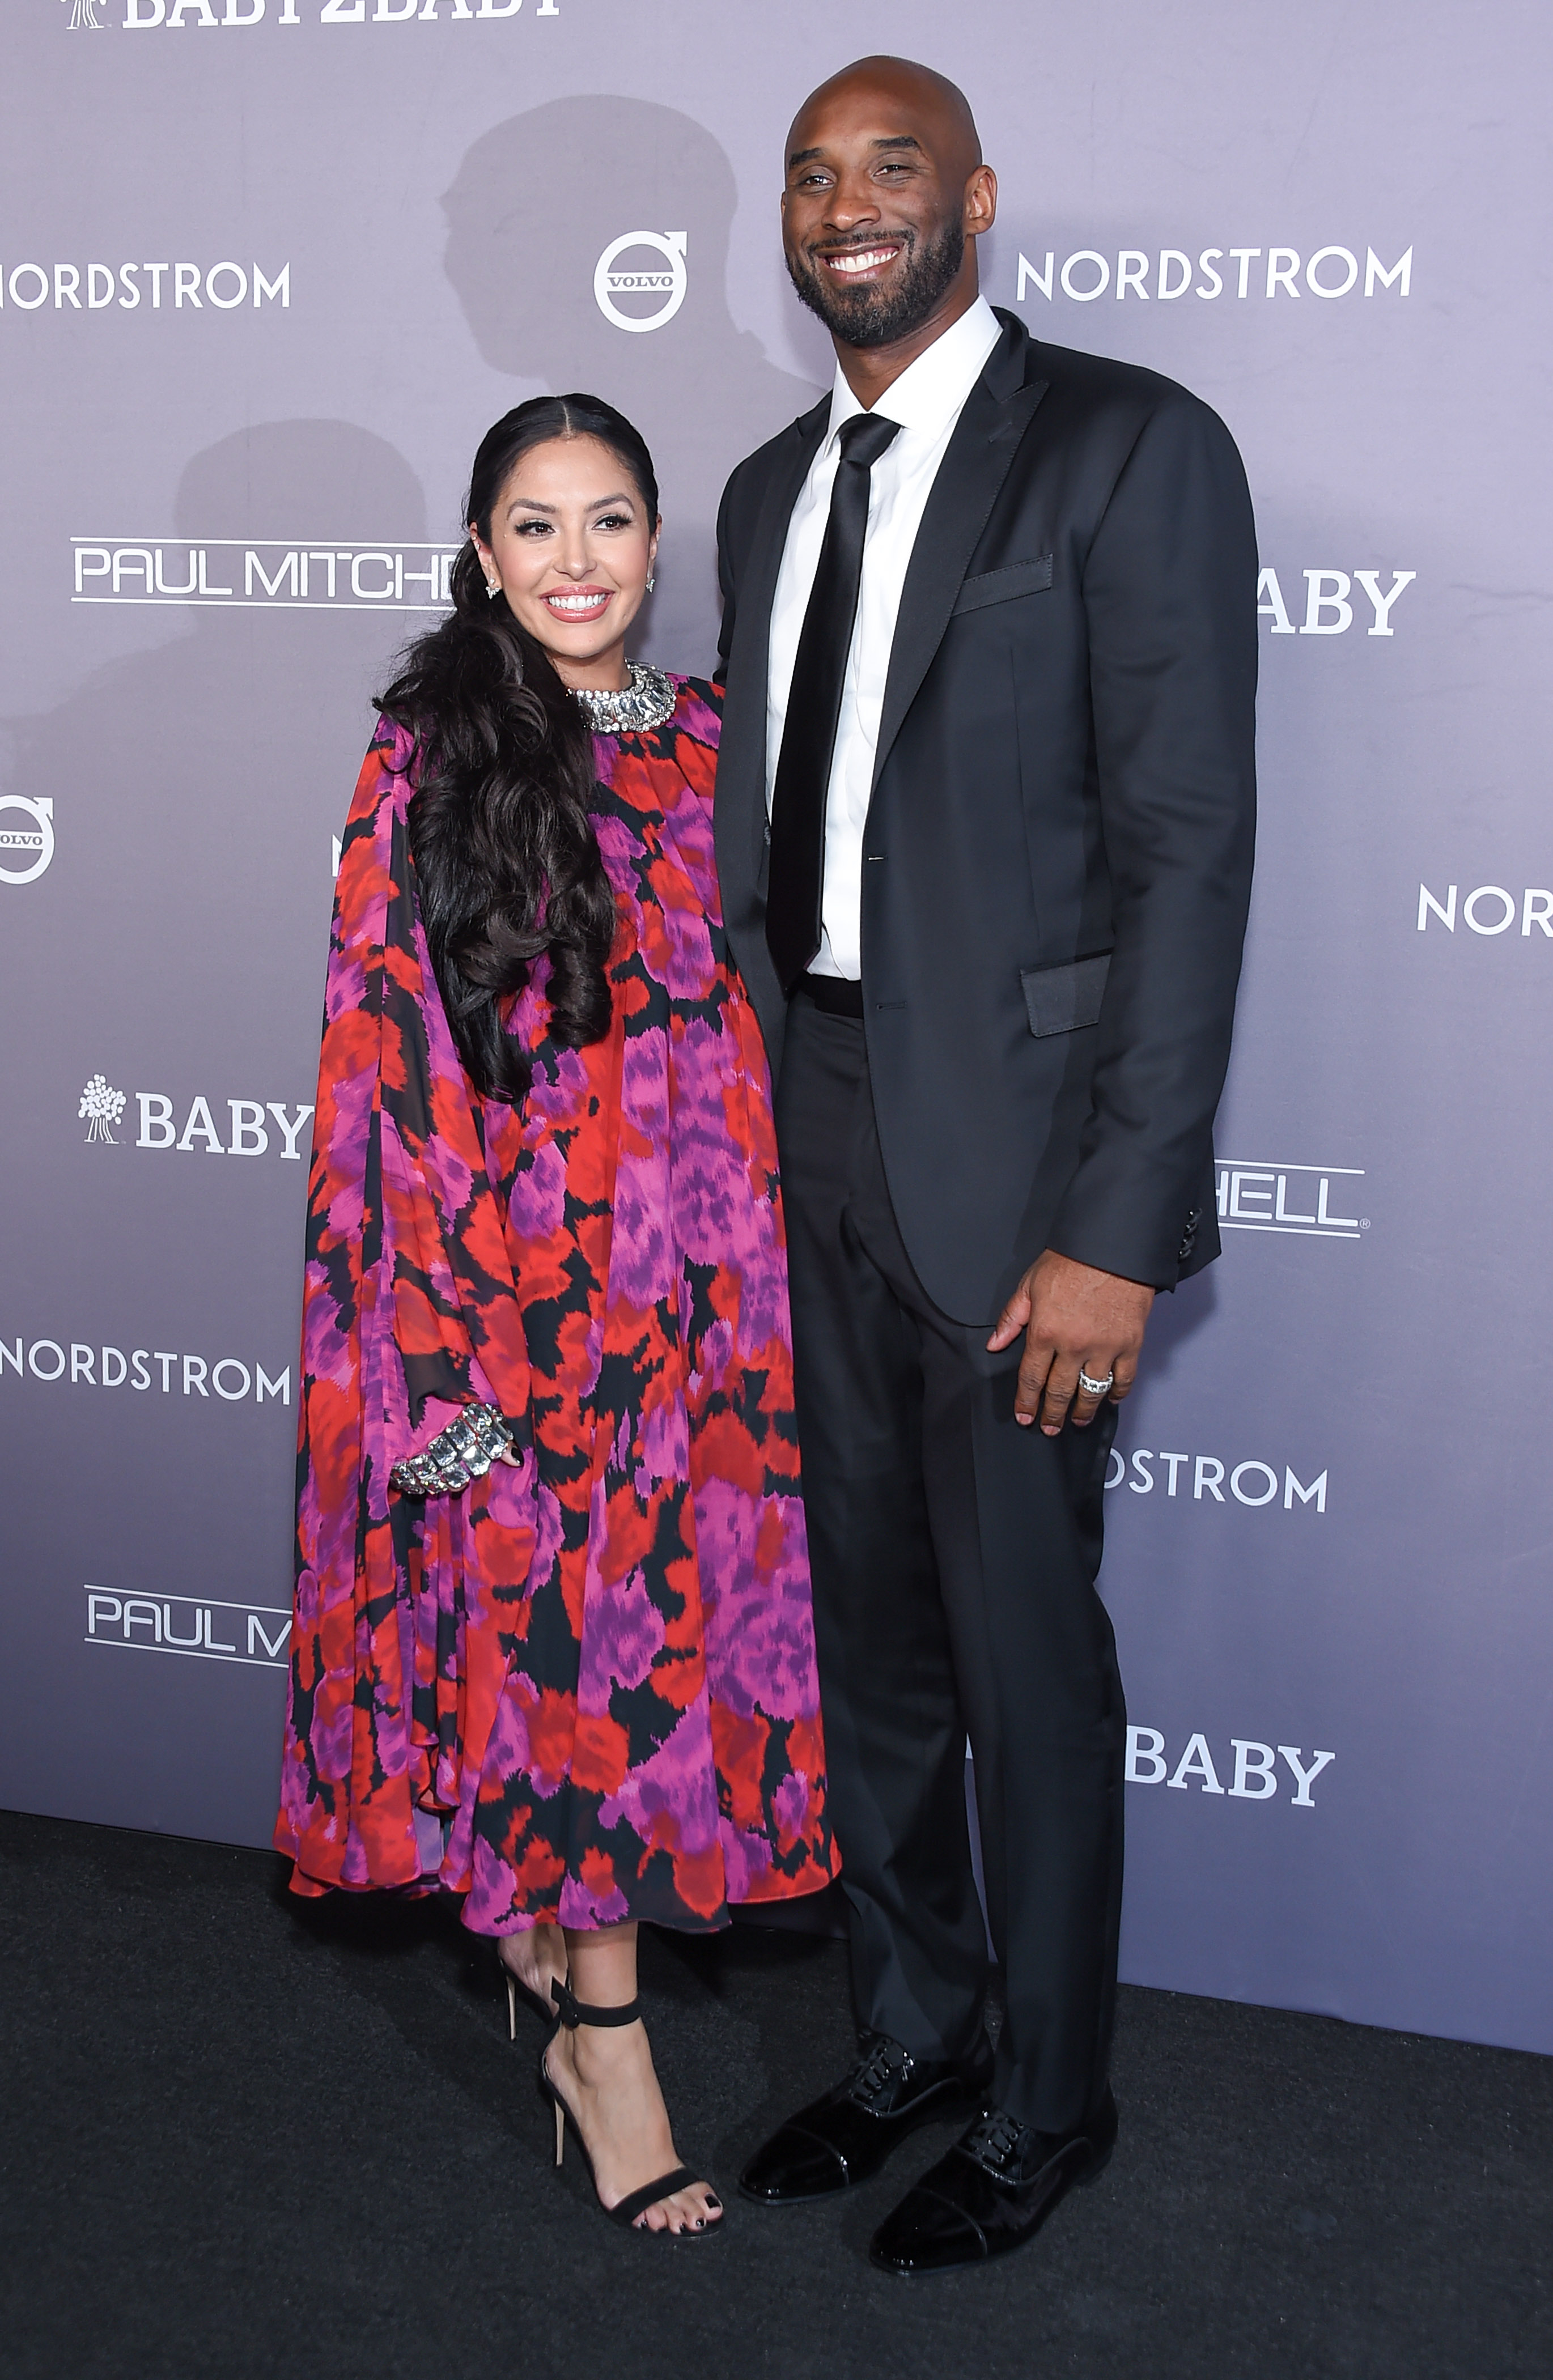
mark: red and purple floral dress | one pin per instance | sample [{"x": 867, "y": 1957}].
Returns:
[{"x": 584, "y": 1690}]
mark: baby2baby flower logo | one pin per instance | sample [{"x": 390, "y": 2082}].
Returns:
[{"x": 104, "y": 1106}]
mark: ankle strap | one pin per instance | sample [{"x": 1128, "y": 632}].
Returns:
[{"x": 574, "y": 2012}]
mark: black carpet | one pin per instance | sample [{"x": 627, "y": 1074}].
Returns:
[{"x": 245, "y": 2135}]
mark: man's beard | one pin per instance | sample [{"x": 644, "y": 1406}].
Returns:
[{"x": 876, "y": 317}]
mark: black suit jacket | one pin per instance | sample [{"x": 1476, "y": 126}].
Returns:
[{"x": 1057, "y": 858}]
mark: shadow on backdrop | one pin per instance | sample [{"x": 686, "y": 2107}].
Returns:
[
  {"x": 535, "y": 206},
  {"x": 177, "y": 944},
  {"x": 197, "y": 783}
]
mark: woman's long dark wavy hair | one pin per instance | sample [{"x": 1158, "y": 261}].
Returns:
[{"x": 506, "y": 861}]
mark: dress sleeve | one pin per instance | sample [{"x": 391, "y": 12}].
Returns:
[
  {"x": 408, "y": 1303},
  {"x": 402, "y": 1208}
]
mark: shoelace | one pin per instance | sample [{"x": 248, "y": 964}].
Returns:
[
  {"x": 879, "y": 2067},
  {"x": 994, "y": 2139}
]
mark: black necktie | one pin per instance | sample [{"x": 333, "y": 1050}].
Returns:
[{"x": 814, "y": 699}]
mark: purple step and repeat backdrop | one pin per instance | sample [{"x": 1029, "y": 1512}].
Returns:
[{"x": 268, "y": 268}]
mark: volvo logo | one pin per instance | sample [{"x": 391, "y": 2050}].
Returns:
[
  {"x": 665, "y": 282},
  {"x": 31, "y": 845}
]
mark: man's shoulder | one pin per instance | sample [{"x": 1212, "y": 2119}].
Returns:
[
  {"x": 1103, "y": 393},
  {"x": 1105, "y": 379},
  {"x": 804, "y": 426},
  {"x": 747, "y": 481}
]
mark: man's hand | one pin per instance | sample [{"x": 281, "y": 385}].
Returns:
[{"x": 1075, "y": 1318}]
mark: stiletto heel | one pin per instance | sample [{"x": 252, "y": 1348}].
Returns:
[
  {"x": 514, "y": 1985},
  {"x": 572, "y": 2012}
]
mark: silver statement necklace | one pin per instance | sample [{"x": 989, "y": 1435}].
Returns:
[{"x": 645, "y": 702}]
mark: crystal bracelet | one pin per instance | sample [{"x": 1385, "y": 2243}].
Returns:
[{"x": 463, "y": 1450}]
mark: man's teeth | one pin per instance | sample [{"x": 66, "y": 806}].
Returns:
[{"x": 862, "y": 261}]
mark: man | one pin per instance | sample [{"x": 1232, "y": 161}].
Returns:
[{"x": 983, "y": 823}]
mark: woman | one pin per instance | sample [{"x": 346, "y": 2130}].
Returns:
[{"x": 553, "y": 1645}]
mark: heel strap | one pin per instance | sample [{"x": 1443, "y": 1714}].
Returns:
[{"x": 573, "y": 2013}]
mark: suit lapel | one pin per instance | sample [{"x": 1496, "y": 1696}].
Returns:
[
  {"x": 974, "y": 465},
  {"x": 742, "y": 749}
]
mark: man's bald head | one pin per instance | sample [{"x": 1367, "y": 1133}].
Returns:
[{"x": 938, "y": 104}]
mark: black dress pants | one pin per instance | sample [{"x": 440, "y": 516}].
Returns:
[{"x": 953, "y": 1557}]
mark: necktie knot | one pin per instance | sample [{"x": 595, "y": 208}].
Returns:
[{"x": 864, "y": 438}]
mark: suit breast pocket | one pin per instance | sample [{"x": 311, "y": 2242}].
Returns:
[{"x": 1002, "y": 586}]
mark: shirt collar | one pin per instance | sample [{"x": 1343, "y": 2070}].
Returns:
[{"x": 931, "y": 391}]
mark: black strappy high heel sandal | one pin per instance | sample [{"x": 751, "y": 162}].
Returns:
[{"x": 572, "y": 2012}]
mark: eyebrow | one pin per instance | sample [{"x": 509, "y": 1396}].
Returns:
[
  {"x": 534, "y": 505},
  {"x": 889, "y": 141}
]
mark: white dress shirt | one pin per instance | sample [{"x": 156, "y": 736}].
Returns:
[{"x": 927, "y": 401}]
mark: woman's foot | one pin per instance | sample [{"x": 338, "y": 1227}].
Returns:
[
  {"x": 535, "y": 1959},
  {"x": 605, "y": 2076}
]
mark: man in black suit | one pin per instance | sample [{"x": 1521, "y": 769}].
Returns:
[{"x": 984, "y": 814}]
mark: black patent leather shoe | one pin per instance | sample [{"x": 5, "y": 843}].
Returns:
[
  {"x": 990, "y": 2193},
  {"x": 845, "y": 2137}
]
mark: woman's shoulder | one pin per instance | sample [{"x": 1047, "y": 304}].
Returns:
[
  {"x": 396, "y": 751},
  {"x": 699, "y": 705},
  {"x": 387, "y": 777},
  {"x": 395, "y": 748}
]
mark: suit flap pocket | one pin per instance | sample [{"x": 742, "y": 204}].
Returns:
[
  {"x": 1060, "y": 999},
  {"x": 999, "y": 585}
]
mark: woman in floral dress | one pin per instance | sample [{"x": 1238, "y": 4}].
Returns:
[{"x": 552, "y": 1646}]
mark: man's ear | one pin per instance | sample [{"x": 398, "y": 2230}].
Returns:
[{"x": 981, "y": 200}]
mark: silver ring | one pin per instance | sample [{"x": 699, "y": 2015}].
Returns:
[{"x": 1097, "y": 1388}]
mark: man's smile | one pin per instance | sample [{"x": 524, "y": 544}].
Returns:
[{"x": 862, "y": 263}]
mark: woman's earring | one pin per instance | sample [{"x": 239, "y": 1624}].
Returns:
[
  {"x": 493, "y": 588},
  {"x": 650, "y": 582}
]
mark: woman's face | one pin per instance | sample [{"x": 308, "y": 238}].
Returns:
[{"x": 572, "y": 547}]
